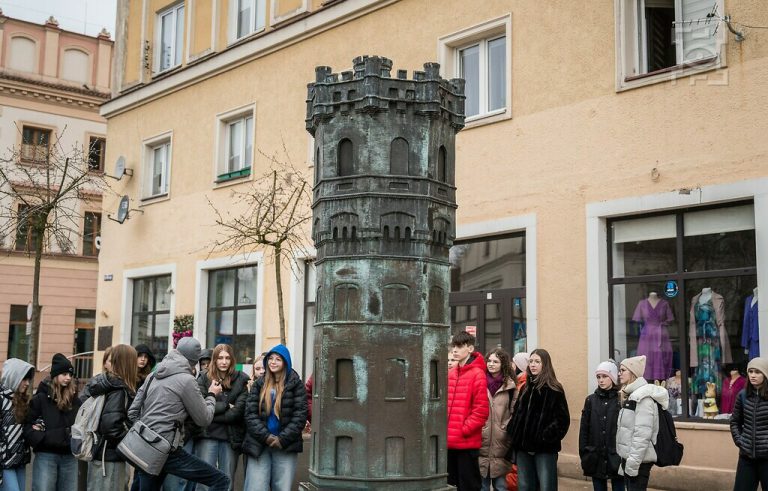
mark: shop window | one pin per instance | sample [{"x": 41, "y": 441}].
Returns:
[
  {"x": 151, "y": 313},
  {"x": 232, "y": 309},
  {"x": 477, "y": 265},
  {"x": 35, "y": 145},
  {"x": 91, "y": 231},
  {"x": 17, "y": 333},
  {"x": 681, "y": 289},
  {"x": 97, "y": 150}
]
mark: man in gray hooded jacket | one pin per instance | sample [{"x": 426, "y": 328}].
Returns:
[{"x": 164, "y": 402}]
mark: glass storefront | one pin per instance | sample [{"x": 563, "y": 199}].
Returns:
[{"x": 681, "y": 292}]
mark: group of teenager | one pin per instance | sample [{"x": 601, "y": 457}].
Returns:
[
  {"x": 508, "y": 415},
  {"x": 209, "y": 411}
]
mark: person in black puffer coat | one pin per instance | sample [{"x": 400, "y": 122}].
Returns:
[
  {"x": 275, "y": 415},
  {"x": 597, "y": 433},
  {"x": 108, "y": 470},
  {"x": 219, "y": 444},
  {"x": 749, "y": 428},
  {"x": 48, "y": 428}
]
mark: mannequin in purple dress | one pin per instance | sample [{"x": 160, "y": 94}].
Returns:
[{"x": 654, "y": 314}]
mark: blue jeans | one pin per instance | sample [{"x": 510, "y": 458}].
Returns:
[
  {"x": 54, "y": 472},
  {"x": 537, "y": 471},
  {"x": 116, "y": 476},
  {"x": 499, "y": 483},
  {"x": 617, "y": 484},
  {"x": 15, "y": 479},
  {"x": 274, "y": 470},
  {"x": 220, "y": 454},
  {"x": 175, "y": 483},
  {"x": 188, "y": 467}
]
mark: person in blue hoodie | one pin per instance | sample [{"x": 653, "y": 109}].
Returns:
[
  {"x": 14, "y": 404},
  {"x": 275, "y": 415}
]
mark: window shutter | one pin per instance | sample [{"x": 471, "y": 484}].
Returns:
[{"x": 699, "y": 40}]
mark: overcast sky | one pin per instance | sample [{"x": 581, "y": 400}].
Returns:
[{"x": 83, "y": 16}]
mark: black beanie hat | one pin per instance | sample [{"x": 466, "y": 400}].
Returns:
[
  {"x": 143, "y": 349},
  {"x": 60, "y": 365}
]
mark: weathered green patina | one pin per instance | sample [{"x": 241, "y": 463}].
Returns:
[{"x": 383, "y": 221}]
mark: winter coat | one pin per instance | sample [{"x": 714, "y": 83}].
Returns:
[
  {"x": 14, "y": 451},
  {"x": 56, "y": 436},
  {"x": 293, "y": 412},
  {"x": 232, "y": 417},
  {"x": 638, "y": 424},
  {"x": 496, "y": 442},
  {"x": 467, "y": 404},
  {"x": 749, "y": 425},
  {"x": 172, "y": 396},
  {"x": 597, "y": 434},
  {"x": 541, "y": 419},
  {"x": 113, "y": 424}
]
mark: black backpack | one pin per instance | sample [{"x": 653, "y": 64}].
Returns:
[{"x": 668, "y": 450}]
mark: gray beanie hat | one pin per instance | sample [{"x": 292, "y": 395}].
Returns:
[{"x": 190, "y": 348}]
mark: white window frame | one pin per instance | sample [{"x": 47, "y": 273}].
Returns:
[
  {"x": 127, "y": 301},
  {"x": 174, "y": 11},
  {"x": 449, "y": 47},
  {"x": 631, "y": 55},
  {"x": 203, "y": 269},
  {"x": 275, "y": 18},
  {"x": 150, "y": 145},
  {"x": 297, "y": 310},
  {"x": 257, "y": 21},
  {"x": 222, "y": 154},
  {"x": 483, "y": 75}
]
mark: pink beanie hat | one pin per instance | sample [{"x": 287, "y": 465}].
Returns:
[
  {"x": 521, "y": 361},
  {"x": 609, "y": 368}
]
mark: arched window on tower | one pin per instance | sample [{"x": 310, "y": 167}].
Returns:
[
  {"x": 345, "y": 158},
  {"x": 442, "y": 165},
  {"x": 398, "y": 157}
]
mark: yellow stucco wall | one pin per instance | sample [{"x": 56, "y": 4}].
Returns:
[
  {"x": 572, "y": 140},
  {"x": 201, "y": 33}
]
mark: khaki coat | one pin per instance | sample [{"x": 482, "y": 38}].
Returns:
[{"x": 496, "y": 441}]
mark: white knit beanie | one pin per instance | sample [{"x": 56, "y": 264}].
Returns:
[
  {"x": 636, "y": 365},
  {"x": 521, "y": 360},
  {"x": 609, "y": 368},
  {"x": 760, "y": 364}
]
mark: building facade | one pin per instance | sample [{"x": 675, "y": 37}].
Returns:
[
  {"x": 611, "y": 180},
  {"x": 52, "y": 83}
]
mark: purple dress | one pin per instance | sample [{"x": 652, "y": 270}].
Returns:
[{"x": 654, "y": 339}]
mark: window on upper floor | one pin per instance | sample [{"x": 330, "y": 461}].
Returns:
[
  {"x": 246, "y": 17},
  {"x": 480, "y": 55},
  {"x": 35, "y": 144},
  {"x": 239, "y": 148},
  {"x": 157, "y": 168},
  {"x": 658, "y": 37},
  {"x": 97, "y": 148},
  {"x": 91, "y": 230},
  {"x": 170, "y": 37},
  {"x": 26, "y": 230}
]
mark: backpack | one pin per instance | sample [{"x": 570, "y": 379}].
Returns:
[
  {"x": 668, "y": 450},
  {"x": 85, "y": 436}
]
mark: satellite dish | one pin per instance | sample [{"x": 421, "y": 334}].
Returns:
[
  {"x": 97, "y": 242},
  {"x": 120, "y": 169},
  {"x": 123, "y": 209}
]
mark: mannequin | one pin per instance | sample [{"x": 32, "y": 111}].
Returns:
[
  {"x": 732, "y": 385},
  {"x": 750, "y": 333},
  {"x": 709, "y": 345},
  {"x": 654, "y": 314}
]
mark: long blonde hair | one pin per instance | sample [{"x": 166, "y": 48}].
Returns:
[
  {"x": 632, "y": 377},
  {"x": 273, "y": 382},
  {"x": 63, "y": 395}
]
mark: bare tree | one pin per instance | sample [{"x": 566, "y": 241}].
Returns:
[
  {"x": 275, "y": 208},
  {"x": 44, "y": 189}
]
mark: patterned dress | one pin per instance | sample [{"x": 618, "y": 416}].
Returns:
[{"x": 707, "y": 347}]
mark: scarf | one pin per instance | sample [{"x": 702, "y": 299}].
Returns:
[{"x": 494, "y": 383}]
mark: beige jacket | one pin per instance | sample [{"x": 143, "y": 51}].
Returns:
[
  {"x": 725, "y": 344},
  {"x": 496, "y": 441}
]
